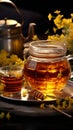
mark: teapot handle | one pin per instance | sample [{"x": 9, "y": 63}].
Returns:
[
  {"x": 70, "y": 57},
  {"x": 18, "y": 11}
]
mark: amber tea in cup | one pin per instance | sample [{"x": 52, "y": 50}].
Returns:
[
  {"x": 12, "y": 78},
  {"x": 47, "y": 69}
]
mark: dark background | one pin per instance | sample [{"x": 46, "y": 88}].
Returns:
[
  {"x": 36, "y": 11},
  {"x": 46, "y": 6}
]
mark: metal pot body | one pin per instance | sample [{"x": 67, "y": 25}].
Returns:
[
  {"x": 12, "y": 40},
  {"x": 11, "y": 37}
]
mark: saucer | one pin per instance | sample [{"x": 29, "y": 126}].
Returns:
[{"x": 29, "y": 99}]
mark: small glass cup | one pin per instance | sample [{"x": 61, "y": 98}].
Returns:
[{"x": 11, "y": 77}]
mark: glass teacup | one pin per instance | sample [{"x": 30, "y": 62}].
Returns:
[{"x": 11, "y": 77}]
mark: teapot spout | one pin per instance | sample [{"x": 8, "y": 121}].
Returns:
[{"x": 30, "y": 32}]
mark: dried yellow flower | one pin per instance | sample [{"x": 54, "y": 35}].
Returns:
[
  {"x": 57, "y": 11},
  {"x": 42, "y": 106},
  {"x": 62, "y": 29},
  {"x": 72, "y": 15},
  {"x": 58, "y": 21},
  {"x": 8, "y": 116},
  {"x": 54, "y": 29},
  {"x": 2, "y": 114},
  {"x": 50, "y": 16}
]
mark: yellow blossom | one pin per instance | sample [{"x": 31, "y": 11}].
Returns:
[
  {"x": 50, "y": 16},
  {"x": 54, "y": 29},
  {"x": 53, "y": 37},
  {"x": 8, "y": 116},
  {"x": 57, "y": 11},
  {"x": 2, "y": 114},
  {"x": 62, "y": 29},
  {"x": 58, "y": 21},
  {"x": 72, "y": 15},
  {"x": 35, "y": 37},
  {"x": 71, "y": 27},
  {"x": 42, "y": 106},
  {"x": 66, "y": 22},
  {"x": 56, "y": 37}
]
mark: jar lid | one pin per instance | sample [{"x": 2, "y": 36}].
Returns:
[
  {"x": 6, "y": 23},
  {"x": 47, "y": 49}
]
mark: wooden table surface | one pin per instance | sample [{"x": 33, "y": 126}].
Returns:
[{"x": 28, "y": 117}]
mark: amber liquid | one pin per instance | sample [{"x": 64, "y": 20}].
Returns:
[
  {"x": 12, "y": 84},
  {"x": 47, "y": 77}
]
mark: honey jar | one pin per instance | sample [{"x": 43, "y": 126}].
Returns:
[{"x": 47, "y": 69}]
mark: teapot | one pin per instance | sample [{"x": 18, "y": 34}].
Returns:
[{"x": 11, "y": 36}]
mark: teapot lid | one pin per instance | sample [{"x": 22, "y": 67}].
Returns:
[{"x": 6, "y": 23}]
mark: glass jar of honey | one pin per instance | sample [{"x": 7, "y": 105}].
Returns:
[{"x": 47, "y": 69}]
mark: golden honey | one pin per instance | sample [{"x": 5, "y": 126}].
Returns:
[{"x": 47, "y": 68}]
